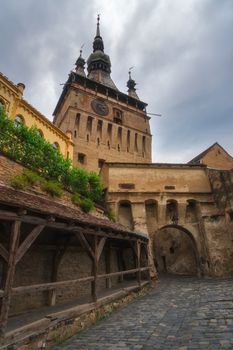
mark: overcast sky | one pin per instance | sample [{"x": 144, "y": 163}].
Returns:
[{"x": 181, "y": 50}]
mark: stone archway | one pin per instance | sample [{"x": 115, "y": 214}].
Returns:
[{"x": 176, "y": 251}]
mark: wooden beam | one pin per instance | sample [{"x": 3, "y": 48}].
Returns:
[
  {"x": 120, "y": 264},
  {"x": 86, "y": 245},
  {"x": 56, "y": 263},
  {"x": 100, "y": 247},
  {"x": 80, "y": 227},
  {"x": 28, "y": 242},
  {"x": 108, "y": 254},
  {"x": 94, "y": 271},
  {"x": 138, "y": 260},
  {"x": 5, "y": 305},
  {"x": 126, "y": 272},
  {"x": 35, "y": 288},
  {"x": 4, "y": 253}
]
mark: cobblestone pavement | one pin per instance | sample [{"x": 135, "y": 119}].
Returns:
[{"x": 180, "y": 314}]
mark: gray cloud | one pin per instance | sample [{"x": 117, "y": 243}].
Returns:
[{"x": 182, "y": 52}]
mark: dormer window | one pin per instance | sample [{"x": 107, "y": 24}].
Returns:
[{"x": 117, "y": 116}]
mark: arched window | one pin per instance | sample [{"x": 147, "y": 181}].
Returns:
[
  {"x": 40, "y": 133},
  {"x": 99, "y": 128},
  {"x": 2, "y": 103},
  {"x": 19, "y": 120},
  {"x": 56, "y": 146},
  {"x": 119, "y": 135},
  {"x": 77, "y": 120},
  {"x": 143, "y": 145},
  {"x": 128, "y": 141},
  {"x": 89, "y": 124}
]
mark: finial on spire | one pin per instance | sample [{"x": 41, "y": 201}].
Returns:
[
  {"x": 98, "y": 44},
  {"x": 81, "y": 51},
  {"x": 130, "y": 72},
  {"x": 98, "y": 25},
  {"x": 80, "y": 63},
  {"x": 131, "y": 85}
]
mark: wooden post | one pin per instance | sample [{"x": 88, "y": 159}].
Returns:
[
  {"x": 120, "y": 264},
  {"x": 108, "y": 266},
  {"x": 56, "y": 263},
  {"x": 94, "y": 272},
  {"x": 146, "y": 245},
  {"x": 5, "y": 306},
  {"x": 138, "y": 258}
]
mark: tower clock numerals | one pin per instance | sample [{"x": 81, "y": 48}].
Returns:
[{"x": 100, "y": 107}]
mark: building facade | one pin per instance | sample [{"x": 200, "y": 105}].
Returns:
[{"x": 18, "y": 109}]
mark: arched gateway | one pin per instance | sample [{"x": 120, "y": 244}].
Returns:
[{"x": 175, "y": 251}]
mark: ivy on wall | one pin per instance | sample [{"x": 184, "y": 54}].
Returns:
[{"x": 26, "y": 146}]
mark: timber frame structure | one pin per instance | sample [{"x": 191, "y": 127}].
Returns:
[{"x": 25, "y": 217}]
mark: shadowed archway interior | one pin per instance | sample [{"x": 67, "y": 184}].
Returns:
[{"x": 175, "y": 251}]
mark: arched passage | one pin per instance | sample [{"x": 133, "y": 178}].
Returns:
[{"x": 176, "y": 251}]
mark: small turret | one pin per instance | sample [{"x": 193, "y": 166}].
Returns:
[
  {"x": 131, "y": 87},
  {"x": 80, "y": 65}
]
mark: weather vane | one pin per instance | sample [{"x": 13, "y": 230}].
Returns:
[
  {"x": 81, "y": 49},
  {"x": 130, "y": 71}
]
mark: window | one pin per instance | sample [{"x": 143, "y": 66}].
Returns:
[
  {"x": 128, "y": 141},
  {"x": 109, "y": 146},
  {"x": 81, "y": 158},
  {"x": 101, "y": 163},
  {"x": 77, "y": 120},
  {"x": 117, "y": 116},
  {"x": 231, "y": 215},
  {"x": 40, "y": 133},
  {"x": 110, "y": 131},
  {"x": 136, "y": 143},
  {"x": 75, "y": 133},
  {"x": 89, "y": 124},
  {"x": 19, "y": 120},
  {"x": 56, "y": 146},
  {"x": 143, "y": 145},
  {"x": 2, "y": 103},
  {"x": 119, "y": 135},
  {"x": 98, "y": 141},
  {"x": 170, "y": 187},
  {"x": 88, "y": 138},
  {"x": 99, "y": 128}
]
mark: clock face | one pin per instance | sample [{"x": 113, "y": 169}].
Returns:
[{"x": 100, "y": 107}]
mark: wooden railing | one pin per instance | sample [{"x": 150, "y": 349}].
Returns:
[{"x": 61, "y": 284}]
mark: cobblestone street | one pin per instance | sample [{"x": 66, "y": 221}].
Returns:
[{"x": 181, "y": 313}]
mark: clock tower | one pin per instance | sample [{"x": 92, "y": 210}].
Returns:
[{"x": 106, "y": 125}]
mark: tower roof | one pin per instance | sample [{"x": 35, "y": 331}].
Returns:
[
  {"x": 80, "y": 65},
  {"x": 98, "y": 63},
  {"x": 131, "y": 86}
]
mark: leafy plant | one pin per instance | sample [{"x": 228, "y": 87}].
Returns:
[
  {"x": 32, "y": 177},
  {"x": 111, "y": 215},
  {"x": 27, "y": 147},
  {"x": 86, "y": 204},
  {"x": 19, "y": 182},
  {"x": 53, "y": 188}
]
